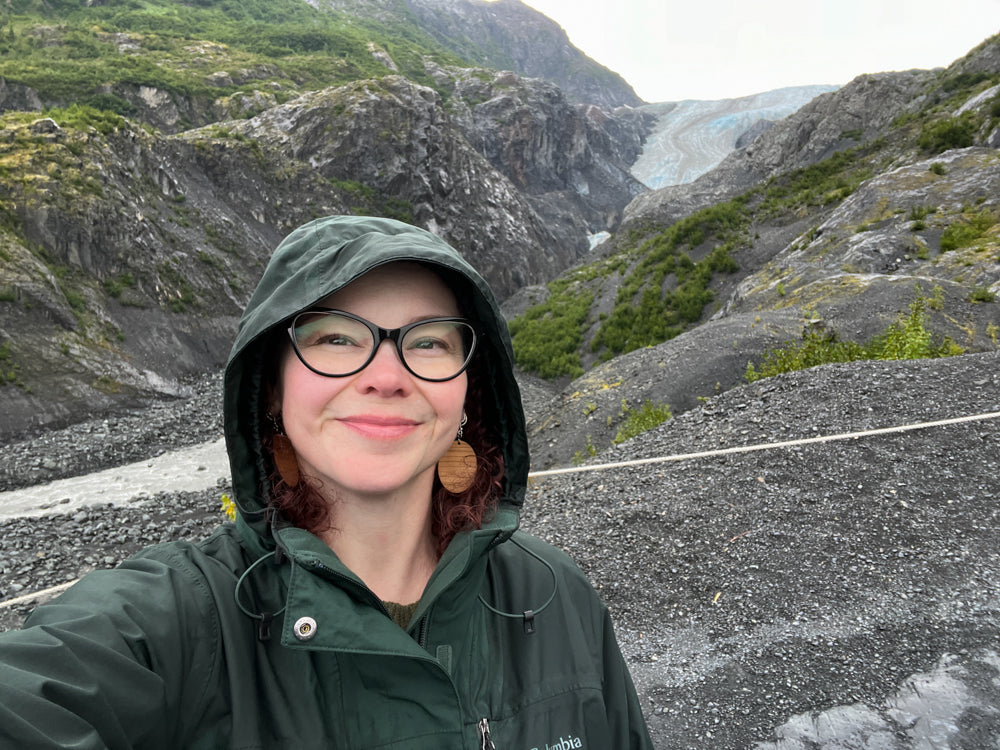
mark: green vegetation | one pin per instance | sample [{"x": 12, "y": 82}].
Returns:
[
  {"x": 367, "y": 200},
  {"x": 666, "y": 292},
  {"x": 115, "y": 287},
  {"x": 183, "y": 296},
  {"x": 982, "y": 294},
  {"x": 947, "y": 133},
  {"x": 548, "y": 337},
  {"x": 968, "y": 231},
  {"x": 907, "y": 338},
  {"x": 76, "y": 53},
  {"x": 82, "y": 117},
  {"x": 589, "y": 451},
  {"x": 640, "y": 420},
  {"x": 9, "y": 370},
  {"x": 827, "y": 182}
]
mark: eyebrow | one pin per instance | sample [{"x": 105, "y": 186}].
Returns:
[{"x": 415, "y": 319}]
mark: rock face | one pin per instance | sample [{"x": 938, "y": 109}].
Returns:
[
  {"x": 508, "y": 35},
  {"x": 856, "y": 113},
  {"x": 133, "y": 253},
  {"x": 558, "y": 154},
  {"x": 845, "y": 249}
]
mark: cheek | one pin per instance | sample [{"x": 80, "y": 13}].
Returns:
[
  {"x": 298, "y": 392},
  {"x": 452, "y": 403}
]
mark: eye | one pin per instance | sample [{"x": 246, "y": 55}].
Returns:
[
  {"x": 438, "y": 339},
  {"x": 335, "y": 339},
  {"x": 428, "y": 343},
  {"x": 330, "y": 331}
]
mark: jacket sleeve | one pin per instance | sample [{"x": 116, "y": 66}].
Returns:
[
  {"x": 112, "y": 663},
  {"x": 624, "y": 713}
]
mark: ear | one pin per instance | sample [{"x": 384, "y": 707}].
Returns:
[{"x": 274, "y": 398}]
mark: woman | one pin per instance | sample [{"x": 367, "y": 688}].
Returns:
[{"x": 374, "y": 591}]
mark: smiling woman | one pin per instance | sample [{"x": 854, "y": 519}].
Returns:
[{"x": 367, "y": 595}]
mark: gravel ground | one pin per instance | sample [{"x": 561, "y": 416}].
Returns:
[
  {"x": 118, "y": 439},
  {"x": 841, "y": 594}
]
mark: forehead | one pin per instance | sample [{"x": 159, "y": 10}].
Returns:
[{"x": 399, "y": 286}]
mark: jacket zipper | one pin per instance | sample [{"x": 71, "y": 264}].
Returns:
[{"x": 485, "y": 742}]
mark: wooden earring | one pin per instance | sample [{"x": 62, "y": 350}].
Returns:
[{"x": 457, "y": 468}]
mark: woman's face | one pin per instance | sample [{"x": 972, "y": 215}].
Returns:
[{"x": 382, "y": 430}]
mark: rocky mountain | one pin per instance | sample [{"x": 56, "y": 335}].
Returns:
[
  {"x": 128, "y": 250},
  {"x": 138, "y": 212},
  {"x": 872, "y": 208},
  {"x": 509, "y": 35},
  {"x": 691, "y": 137}
]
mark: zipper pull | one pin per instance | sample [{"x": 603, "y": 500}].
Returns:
[{"x": 485, "y": 743}]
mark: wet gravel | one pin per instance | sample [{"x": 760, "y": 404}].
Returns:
[
  {"x": 116, "y": 439},
  {"x": 830, "y": 595}
]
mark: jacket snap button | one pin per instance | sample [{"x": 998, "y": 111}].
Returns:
[{"x": 305, "y": 628}]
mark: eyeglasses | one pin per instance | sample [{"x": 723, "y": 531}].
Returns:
[{"x": 337, "y": 344}]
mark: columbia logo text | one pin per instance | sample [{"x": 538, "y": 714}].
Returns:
[{"x": 563, "y": 743}]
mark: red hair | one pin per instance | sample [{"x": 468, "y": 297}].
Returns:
[{"x": 304, "y": 506}]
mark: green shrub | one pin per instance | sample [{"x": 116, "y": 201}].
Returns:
[
  {"x": 966, "y": 232},
  {"x": 9, "y": 370},
  {"x": 547, "y": 337},
  {"x": 645, "y": 313},
  {"x": 115, "y": 287},
  {"x": 907, "y": 338},
  {"x": 982, "y": 294},
  {"x": 82, "y": 117},
  {"x": 948, "y": 133},
  {"x": 640, "y": 420},
  {"x": 589, "y": 451},
  {"x": 815, "y": 349}
]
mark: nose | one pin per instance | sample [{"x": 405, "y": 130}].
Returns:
[{"x": 385, "y": 373}]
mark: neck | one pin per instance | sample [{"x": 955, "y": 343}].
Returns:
[{"x": 387, "y": 542}]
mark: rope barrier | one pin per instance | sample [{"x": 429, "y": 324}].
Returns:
[
  {"x": 659, "y": 460},
  {"x": 767, "y": 446},
  {"x": 37, "y": 595}
]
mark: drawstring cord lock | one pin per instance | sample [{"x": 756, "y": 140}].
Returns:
[
  {"x": 264, "y": 627},
  {"x": 529, "y": 622}
]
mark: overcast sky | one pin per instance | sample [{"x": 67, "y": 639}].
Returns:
[{"x": 670, "y": 50}]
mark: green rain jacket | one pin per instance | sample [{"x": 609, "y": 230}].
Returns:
[{"x": 259, "y": 637}]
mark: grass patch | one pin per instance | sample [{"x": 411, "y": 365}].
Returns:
[
  {"x": 637, "y": 421},
  {"x": 968, "y": 230},
  {"x": 907, "y": 338}
]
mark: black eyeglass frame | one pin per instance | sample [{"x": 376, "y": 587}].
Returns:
[{"x": 379, "y": 334}]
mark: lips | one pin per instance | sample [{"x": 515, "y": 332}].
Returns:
[{"x": 380, "y": 427}]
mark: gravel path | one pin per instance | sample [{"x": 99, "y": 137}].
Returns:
[{"x": 833, "y": 595}]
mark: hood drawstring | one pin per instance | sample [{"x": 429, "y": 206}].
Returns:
[
  {"x": 528, "y": 616},
  {"x": 263, "y": 618}
]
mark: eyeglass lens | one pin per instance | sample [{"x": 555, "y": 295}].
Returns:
[{"x": 335, "y": 344}]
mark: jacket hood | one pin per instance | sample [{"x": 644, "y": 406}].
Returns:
[{"x": 313, "y": 262}]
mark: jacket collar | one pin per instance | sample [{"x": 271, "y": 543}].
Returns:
[{"x": 344, "y": 615}]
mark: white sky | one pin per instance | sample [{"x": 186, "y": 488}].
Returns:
[{"x": 670, "y": 50}]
